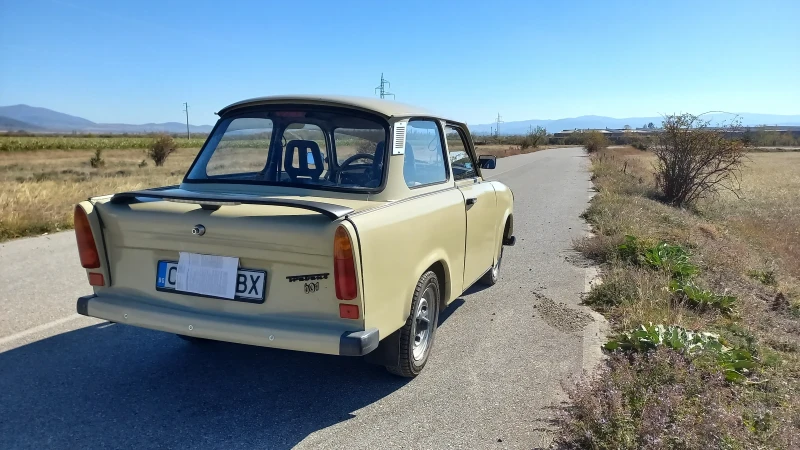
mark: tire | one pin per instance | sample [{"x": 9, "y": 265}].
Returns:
[
  {"x": 493, "y": 274},
  {"x": 416, "y": 342}
]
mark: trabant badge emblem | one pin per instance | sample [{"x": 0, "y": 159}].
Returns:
[{"x": 198, "y": 230}]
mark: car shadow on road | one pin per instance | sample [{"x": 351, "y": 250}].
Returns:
[{"x": 119, "y": 386}]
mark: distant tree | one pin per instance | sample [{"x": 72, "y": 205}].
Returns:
[
  {"x": 594, "y": 141},
  {"x": 627, "y": 127},
  {"x": 650, "y": 125}
]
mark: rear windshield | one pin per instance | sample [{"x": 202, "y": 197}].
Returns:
[{"x": 300, "y": 147}]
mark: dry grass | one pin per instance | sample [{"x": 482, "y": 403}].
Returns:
[
  {"x": 38, "y": 189},
  {"x": 744, "y": 247}
]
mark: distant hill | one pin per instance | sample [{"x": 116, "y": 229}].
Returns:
[
  {"x": 9, "y": 124},
  {"x": 32, "y": 118},
  {"x": 584, "y": 122}
]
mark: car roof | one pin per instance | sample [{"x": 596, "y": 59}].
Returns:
[{"x": 382, "y": 107}]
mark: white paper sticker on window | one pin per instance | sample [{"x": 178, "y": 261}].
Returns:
[
  {"x": 399, "y": 144},
  {"x": 207, "y": 274}
]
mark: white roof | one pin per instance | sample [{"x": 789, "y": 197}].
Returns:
[{"x": 383, "y": 107}]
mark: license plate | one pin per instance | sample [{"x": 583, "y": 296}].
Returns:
[{"x": 250, "y": 284}]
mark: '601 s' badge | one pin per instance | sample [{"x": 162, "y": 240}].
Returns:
[{"x": 198, "y": 230}]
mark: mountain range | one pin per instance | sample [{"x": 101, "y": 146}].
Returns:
[
  {"x": 43, "y": 120},
  {"x": 600, "y": 122}
]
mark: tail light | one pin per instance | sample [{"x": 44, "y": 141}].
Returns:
[
  {"x": 344, "y": 267},
  {"x": 86, "y": 246}
]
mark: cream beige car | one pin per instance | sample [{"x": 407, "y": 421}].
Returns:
[{"x": 320, "y": 224}]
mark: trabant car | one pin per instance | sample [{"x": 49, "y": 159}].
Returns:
[{"x": 333, "y": 225}]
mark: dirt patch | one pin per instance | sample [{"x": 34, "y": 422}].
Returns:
[{"x": 560, "y": 315}]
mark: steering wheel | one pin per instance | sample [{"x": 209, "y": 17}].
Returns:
[{"x": 351, "y": 160}]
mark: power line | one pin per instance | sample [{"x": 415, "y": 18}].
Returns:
[
  {"x": 186, "y": 110},
  {"x": 382, "y": 88}
]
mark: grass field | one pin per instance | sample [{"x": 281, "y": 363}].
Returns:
[
  {"x": 38, "y": 188},
  {"x": 31, "y": 143},
  {"x": 745, "y": 250}
]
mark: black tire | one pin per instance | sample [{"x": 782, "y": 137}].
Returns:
[
  {"x": 192, "y": 339},
  {"x": 411, "y": 358},
  {"x": 493, "y": 274}
]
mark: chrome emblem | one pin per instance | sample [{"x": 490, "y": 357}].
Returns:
[{"x": 198, "y": 230}]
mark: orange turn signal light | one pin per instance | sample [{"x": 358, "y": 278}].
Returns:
[
  {"x": 96, "y": 279},
  {"x": 348, "y": 311}
]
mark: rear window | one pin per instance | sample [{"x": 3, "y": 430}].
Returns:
[{"x": 301, "y": 148}]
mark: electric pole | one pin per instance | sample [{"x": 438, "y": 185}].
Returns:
[
  {"x": 382, "y": 88},
  {"x": 186, "y": 110},
  {"x": 497, "y": 129}
]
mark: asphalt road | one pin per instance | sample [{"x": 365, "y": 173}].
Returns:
[{"x": 495, "y": 379}]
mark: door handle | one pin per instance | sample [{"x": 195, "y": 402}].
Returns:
[{"x": 471, "y": 201}]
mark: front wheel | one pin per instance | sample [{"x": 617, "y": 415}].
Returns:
[
  {"x": 416, "y": 336},
  {"x": 490, "y": 278}
]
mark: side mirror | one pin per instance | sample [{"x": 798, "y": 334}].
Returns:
[{"x": 487, "y": 161}]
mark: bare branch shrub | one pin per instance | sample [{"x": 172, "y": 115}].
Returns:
[
  {"x": 161, "y": 147},
  {"x": 695, "y": 160}
]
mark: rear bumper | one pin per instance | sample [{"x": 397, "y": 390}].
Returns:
[{"x": 300, "y": 336}]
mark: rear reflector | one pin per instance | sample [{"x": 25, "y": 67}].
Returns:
[
  {"x": 348, "y": 311},
  {"x": 344, "y": 267},
  {"x": 86, "y": 247},
  {"x": 96, "y": 279}
]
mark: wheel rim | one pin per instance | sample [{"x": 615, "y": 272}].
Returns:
[
  {"x": 422, "y": 324},
  {"x": 496, "y": 267}
]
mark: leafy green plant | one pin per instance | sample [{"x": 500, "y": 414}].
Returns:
[
  {"x": 702, "y": 298},
  {"x": 670, "y": 257},
  {"x": 735, "y": 363},
  {"x": 595, "y": 141}
]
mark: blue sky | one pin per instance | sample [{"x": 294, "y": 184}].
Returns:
[{"x": 137, "y": 62}]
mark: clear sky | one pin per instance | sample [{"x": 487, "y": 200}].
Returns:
[{"x": 136, "y": 62}]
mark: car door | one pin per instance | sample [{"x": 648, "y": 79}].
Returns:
[{"x": 481, "y": 244}]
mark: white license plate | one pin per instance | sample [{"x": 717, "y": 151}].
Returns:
[{"x": 250, "y": 284}]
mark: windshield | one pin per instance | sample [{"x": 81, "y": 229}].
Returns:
[{"x": 319, "y": 149}]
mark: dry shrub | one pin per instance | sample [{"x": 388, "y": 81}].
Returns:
[
  {"x": 161, "y": 147},
  {"x": 694, "y": 160},
  {"x": 594, "y": 141},
  {"x": 97, "y": 161}
]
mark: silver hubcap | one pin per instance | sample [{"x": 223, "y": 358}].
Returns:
[
  {"x": 422, "y": 324},
  {"x": 496, "y": 268}
]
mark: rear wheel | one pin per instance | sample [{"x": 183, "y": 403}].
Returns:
[{"x": 416, "y": 336}]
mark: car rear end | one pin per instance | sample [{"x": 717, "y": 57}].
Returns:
[{"x": 297, "y": 284}]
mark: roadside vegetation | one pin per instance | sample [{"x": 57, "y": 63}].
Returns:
[
  {"x": 703, "y": 299},
  {"x": 13, "y": 143}
]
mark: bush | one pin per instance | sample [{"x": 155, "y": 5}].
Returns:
[
  {"x": 534, "y": 138},
  {"x": 97, "y": 160},
  {"x": 694, "y": 160},
  {"x": 161, "y": 147},
  {"x": 641, "y": 143},
  {"x": 594, "y": 141}
]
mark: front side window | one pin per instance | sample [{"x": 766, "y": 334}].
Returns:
[
  {"x": 460, "y": 160},
  {"x": 424, "y": 159},
  {"x": 308, "y": 148}
]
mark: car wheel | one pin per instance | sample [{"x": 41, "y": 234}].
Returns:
[
  {"x": 492, "y": 275},
  {"x": 416, "y": 336}
]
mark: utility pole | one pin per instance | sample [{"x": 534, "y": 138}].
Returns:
[
  {"x": 382, "y": 88},
  {"x": 186, "y": 110},
  {"x": 497, "y": 128}
]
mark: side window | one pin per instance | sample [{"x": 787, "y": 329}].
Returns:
[
  {"x": 424, "y": 159},
  {"x": 460, "y": 159},
  {"x": 243, "y": 148}
]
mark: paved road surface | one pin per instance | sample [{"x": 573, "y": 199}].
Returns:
[{"x": 495, "y": 377}]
